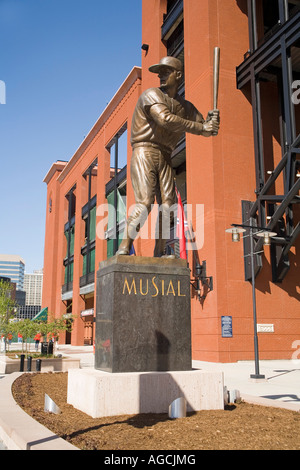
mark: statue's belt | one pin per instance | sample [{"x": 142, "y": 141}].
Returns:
[{"x": 160, "y": 147}]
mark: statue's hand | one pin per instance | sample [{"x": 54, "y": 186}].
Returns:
[{"x": 212, "y": 123}]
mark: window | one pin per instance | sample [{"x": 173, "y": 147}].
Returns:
[
  {"x": 70, "y": 236},
  {"x": 116, "y": 218},
  {"x": 88, "y": 250},
  {"x": 118, "y": 150},
  {"x": 267, "y": 17},
  {"x": 89, "y": 217},
  {"x": 116, "y": 191}
]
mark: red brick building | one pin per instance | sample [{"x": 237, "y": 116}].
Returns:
[{"x": 245, "y": 175}]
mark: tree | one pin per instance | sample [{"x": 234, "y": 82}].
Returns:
[
  {"x": 29, "y": 328},
  {"x": 7, "y": 308},
  {"x": 52, "y": 329}
]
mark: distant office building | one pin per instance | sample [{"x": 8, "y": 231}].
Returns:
[
  {"x": 28, "y": 311},
  {"x": 33, "y": 284},
  {"x": 20, "y": 298},
  {"x": 13, "y": 266}
]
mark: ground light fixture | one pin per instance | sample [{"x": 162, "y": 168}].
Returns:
[{"x": 267, "y": 234}]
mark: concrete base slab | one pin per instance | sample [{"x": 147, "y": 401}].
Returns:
[{"x": 98, "y": 393}]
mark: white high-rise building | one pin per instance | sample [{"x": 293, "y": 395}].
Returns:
[{"x": 33, "y": 285}]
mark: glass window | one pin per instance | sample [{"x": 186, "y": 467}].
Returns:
[
  {"x": 89, "y": 268},
  {"x": 89, "y": 217},
  {"x": 92, "y": 231},
  {"x": 122, "y": 150},
  {"x": 121, "y": 208},
  {"x": 116, "y": 196},
  {"x": 70, "y": 236},
  {"x": 269, "y": 17},
  {"x": 69, "y": 272},
  {"x": 112, "y": 155},
  {"x": 120, "y": 213},
  {"x": 118, "y": 150}
]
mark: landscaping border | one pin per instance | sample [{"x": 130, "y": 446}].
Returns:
[{"x": 18, "y": 430}]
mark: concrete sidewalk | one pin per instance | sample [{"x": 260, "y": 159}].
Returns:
[{"x": 281, "y": 387}]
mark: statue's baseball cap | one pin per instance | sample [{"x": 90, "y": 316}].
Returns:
[{"x": 167, "y": 62}]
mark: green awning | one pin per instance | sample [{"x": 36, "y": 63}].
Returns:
[{"x": 42, "y": 315}]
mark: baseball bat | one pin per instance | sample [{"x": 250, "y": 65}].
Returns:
[
  {"x": 216, "y": 76},
  {"x": 216, "y": 72}
]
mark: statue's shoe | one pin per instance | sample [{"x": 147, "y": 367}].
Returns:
[{"x": 123, "y": 251}]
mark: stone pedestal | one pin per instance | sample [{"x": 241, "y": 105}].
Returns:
[
  {"x": 143, "y": 316},
  {"x": 100, "y": 394},
  {"x": 143, "y": 343}
]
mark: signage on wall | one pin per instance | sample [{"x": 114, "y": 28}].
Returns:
[
  {"x": 226, "y": 323},
  {"x": 265, "y": 328}
]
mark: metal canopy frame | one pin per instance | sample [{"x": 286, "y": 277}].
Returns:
[{"x": 272, "y": 61}]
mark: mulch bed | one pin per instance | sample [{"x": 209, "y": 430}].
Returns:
[{"x": 240, "y": 426}]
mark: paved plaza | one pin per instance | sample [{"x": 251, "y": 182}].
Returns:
[{"x": 280, "y": 388}]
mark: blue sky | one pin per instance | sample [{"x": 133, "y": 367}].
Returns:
[{"x": 61, "y": 62}]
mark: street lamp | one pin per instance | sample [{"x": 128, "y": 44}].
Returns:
[
  {"x": 235, "y": 233},
  {"x": 266, "y": 236},
  {"x": 236, "y": 230}
]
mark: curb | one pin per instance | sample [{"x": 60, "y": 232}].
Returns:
[{"x": 18, "y": 430}]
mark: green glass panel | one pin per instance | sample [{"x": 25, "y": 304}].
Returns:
[
  {"x": 67, "y": 238},
  {"x": 92, "y": 261},
  {"x": 110, "y": 201},
  {"x": 84, "y": 265},
  {"x": 93, "y": 223},
  {"x": 121, "y": 211},
  {"x": 110, "y": 248},
  {"x": 72, "y": 231}
]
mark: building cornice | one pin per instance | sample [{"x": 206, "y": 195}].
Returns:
[{"x": 57, "y": 166}]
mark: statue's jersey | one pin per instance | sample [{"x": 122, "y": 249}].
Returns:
[{"x": 163, "y": 124}]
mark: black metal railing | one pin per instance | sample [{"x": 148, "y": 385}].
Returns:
[
  {"x": 68, "y": 287},
  {"x": 87, "y": 279},
  {"x": 171, "y": 19}
]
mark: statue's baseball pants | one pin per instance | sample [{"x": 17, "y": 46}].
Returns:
[{"x": 152, "y": 176}]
